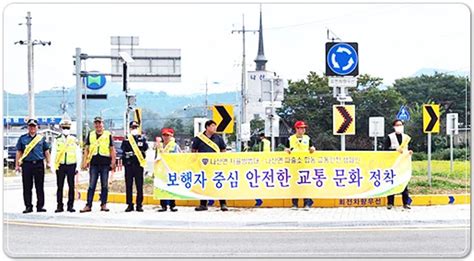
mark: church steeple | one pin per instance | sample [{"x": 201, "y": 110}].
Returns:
[{"x": 260, "y": 60}]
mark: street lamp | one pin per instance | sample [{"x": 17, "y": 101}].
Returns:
[{"x": 206, "y": 100}]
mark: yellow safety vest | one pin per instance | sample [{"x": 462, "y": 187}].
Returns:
[
  {"x": 66, "y": 150},
  {"x": 170, "y": 146},
  {"x": 99, "y": 146},
  {"x": 266, "y": 145},
  {"x": 297, "y": 145}
]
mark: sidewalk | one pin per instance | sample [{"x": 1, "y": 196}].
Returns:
[{"x": 236, "y": 218}]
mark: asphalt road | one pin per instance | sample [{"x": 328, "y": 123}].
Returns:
[{"x": 43, "y": 240}]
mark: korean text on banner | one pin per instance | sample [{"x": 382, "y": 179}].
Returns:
[{"x": 323, "y": 174}]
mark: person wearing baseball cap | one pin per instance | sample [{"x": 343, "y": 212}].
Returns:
[
  {"x": 168, "y": 145},
  {"x": 99, "y": 157},
  {"x": 134, "y": 149},
  {"x": 299, "y": 142},
  {"x": 32, "y": 150}
]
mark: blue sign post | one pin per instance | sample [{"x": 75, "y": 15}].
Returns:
[
  {"x": 95, "y": 82},
  {"x": 403, "y": 114},
  {"x": 342, "y": 59}
]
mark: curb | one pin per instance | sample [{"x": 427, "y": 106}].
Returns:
[{"x": 416, "y": 200}]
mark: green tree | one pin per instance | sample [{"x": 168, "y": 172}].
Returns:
[
  {"x": 176, "y": 124},
  {"x": 451, "y": 92},
  {"x": 373, "y": 102},
  {"x": 311, "y": 100}
]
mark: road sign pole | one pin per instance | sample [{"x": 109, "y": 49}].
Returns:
[
  {"x": 429, "y": 159},
  {"x": 375, "y": 143},
  {"x": 86, "y": 124},
  {"x": 343, "y": 137},
  {"x": 78, "y": 95},
  {"x": 451, "y": 153},
  {"x": 451, "y": 140}
]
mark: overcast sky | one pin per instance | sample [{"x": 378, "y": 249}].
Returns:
[{"x": 395, "y": 40}]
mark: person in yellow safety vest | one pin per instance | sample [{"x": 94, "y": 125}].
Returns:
[
  {"x": 66, "y": 158},
  {"x": 300, "y": 142},
  {"x": 99, "y": 155},
  {"x": 398, "y": 141},
  {"x": 168, "y": 146},
  {"x": 134, "y": 149},
  {"x": 264, "y": 143}
]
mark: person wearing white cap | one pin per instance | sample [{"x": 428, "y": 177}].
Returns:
[
  {"x": 134, "y": 152},
  {"x": 66, "y": 155}
]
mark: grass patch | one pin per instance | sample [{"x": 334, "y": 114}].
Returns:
[{"x": 461, "y": 169}]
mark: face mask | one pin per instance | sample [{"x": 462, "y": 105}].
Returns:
[
  {"x": 66, "y": 132},
  {"x": 398, "y": 129},
  {"x": 134, "y": 132}
]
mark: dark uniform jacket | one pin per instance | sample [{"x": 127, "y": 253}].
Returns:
[{"x": 129, "y": 156}]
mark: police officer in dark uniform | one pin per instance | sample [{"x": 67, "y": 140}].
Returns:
[
  {"x": 32, "y": 150},
  {"x": 209, "y": 141},
  {"x": 134, "y": 166}
]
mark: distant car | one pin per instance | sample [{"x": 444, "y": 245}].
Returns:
[
  {"x": 118, "y": 149},
  {"x": 9, "y": 149}
]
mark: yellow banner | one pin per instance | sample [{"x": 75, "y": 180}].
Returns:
[{"x": 252, "y": 175}]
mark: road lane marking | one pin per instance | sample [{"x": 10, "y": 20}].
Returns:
[{"x": 236, "y": 230}]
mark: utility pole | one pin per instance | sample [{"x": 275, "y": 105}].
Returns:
[
  {"x": 63, "y": 105},
  {"x": 30, "y": 56},
  {"x": 31, "y": 90},
  {"x": 244, "y": 87},
  {"x": 206, "y": 102},
  {"x": 272, "y": 138}
]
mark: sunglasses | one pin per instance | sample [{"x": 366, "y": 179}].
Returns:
[{"x": 66, "y": 128}]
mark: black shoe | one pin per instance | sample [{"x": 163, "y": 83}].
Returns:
[
  {"x": 173, "y": 209},
  {"x": 389, "y": 206},
  {"x": 41, "y": 210},
  {"x": 139, "y": 209},
  {"x": 201, "y": 208},
  {"x": 71, "y": 210},
  {"x": 224, "y": 207},
  {"x": 162, "y": 209},
  {"x": 59, "y": 210},
  {"x": 27, "y": 210},
  {"x": 406, "y": 207},
  {"x": 129, "y": 208},
  {"x": 104, "y": 208}
]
